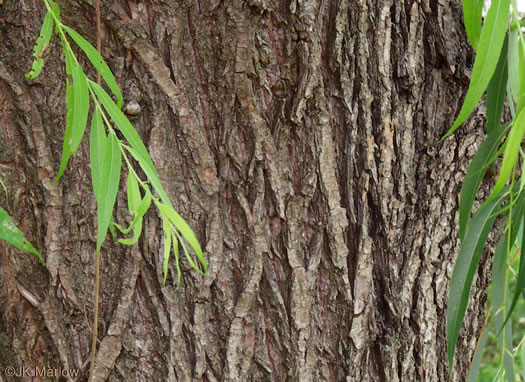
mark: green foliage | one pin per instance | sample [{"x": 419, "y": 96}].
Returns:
[
  {"x": 472, "y": 15},
  {"x": 41, "y": 44},
  {"x": 489, "y": 48},
  {"x": 466, "y": 264},
  {"x": 498, "y": 70},
  {"x": 107, "y": 150},
  {"x": 10, "y": 233}
]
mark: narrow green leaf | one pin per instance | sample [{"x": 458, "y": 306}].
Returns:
[
  {"x": 520, "y": 281},
  {"x": 186, "y": 233},
  {"x": 40, "y": 46},
  {"x": 475, "y": 174},
  {"x": 176, "y": 251},
  {"x": 489, "y": 48},
  {"x": 81, "y": 102},
  {"x": 186, "y": 253},
  {"x": 478, "y": 355},
  {"x": 74, "y": 134},
  {"x": 500, "y": 301},
  {"x": 55, "y": 8},
  {"x": 466, "y": 264},
  {"x": 167, "y": 247},
  {"x": 98, "y": 62},
  {"x": 521, "y": 61},
  {"x": 496, "y": 91},
  {"x": 66, "y": 148},
  {"x": 10, "y": 233},
  {"x": 133, "y": 193},
  {"x": 511, "y": 154},
  {"x": 109, "y": 183},
  {"x": 522, "y": 353},
  {"x": 522, "y": 179},
  {"x": 518, "y": 212},
  {"x": 136, "y": 234},
  {"x": 68, "y": 58},
  {"x": 137, "y": 149},
  {"x": 513, "y": 65},
  {"x": 142, "y": 208},
  {"x": 472, "y": 15},
  {"x": 97, "y": 147}
]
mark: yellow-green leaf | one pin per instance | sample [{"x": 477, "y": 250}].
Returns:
[
  {"x": 489, "y": 48},
  {"x": 40, "y": 46},
  {"x": 141, "y": 209},
  {"x": 79, "y": 115},
  {"x": 511, "y": 154},
  {"x": 133, "y": 192},
  {"x": 10, "y": 233},
  {"x": 97, "y": 148},
  {"x": 167, "y": 248},
  {"x": 186, "y": 233},
  {"x": 66, "y": 148},
  {"x": 137, "y": 149},
  {"x": 98, "y": 62},
  {"x": 472, "y": 16},
  {"x": 109, "y": 183},
  {"x": 175, "y": 244},
  {"x": 136, "y": 234},
  {"x": 81, "y": 101}
]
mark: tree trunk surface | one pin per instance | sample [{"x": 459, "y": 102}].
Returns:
[{"x": 300, "y": 141}]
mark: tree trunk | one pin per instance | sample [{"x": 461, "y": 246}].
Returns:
[{"x": 300, "y": 140}]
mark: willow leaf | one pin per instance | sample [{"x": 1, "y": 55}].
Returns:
[
  {"x": 186, "y": 233},
  {"x": 55, "y": 8},
  {"x": 478, "y": 355},
  {"x": 40, "y": 46},
  {"x": 521, "y": 62},
  {"x": 167, "y": 248},
  {"x": 472, "y": 16},
  {"x": 109, "y": 183},
  {"x": 522, "y": 357},
  {"x": 187, "y": 254},
  {"x": 97, "y": 147},
  {"x": 489, "y": 49},
  {"x": 176, "y": 252},
  {"x": 500, "y": 301},
  {"x": 466, "y": 264},
  {"x": 80, "y": 111},
  {"x": 511, "y": 154},
  {"x": 133, "y": 192},
  {"x": 66, "y": 148},
  {"x": 496, "y": 91},
  {"x": 98, "y": 62},
  {"x": 136, "y": 234},
  {"x": 141, "y": 209},
  {"x": 137, "y": 149},
  {"x": 81, "y": 102},
  {"x": 10, "y": 233},
  {"x": 475, "y": 174},
  {"x": 513, "y": 64},
  {"x": 520, "y": 280}
]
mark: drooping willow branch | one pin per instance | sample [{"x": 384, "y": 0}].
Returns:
[
  {"x": 106, "y": 149},
  {"x": 498, "y": 70}
]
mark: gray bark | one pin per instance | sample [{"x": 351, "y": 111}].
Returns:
[{"x": 300, "y": 140}]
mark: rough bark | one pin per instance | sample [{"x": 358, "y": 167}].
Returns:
[{"x": 300, "y": 140}]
